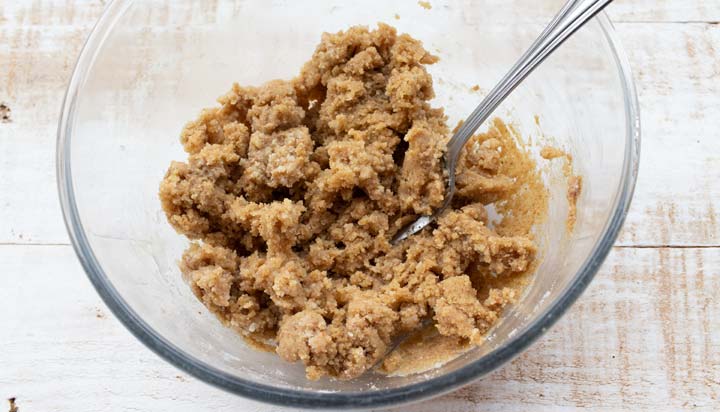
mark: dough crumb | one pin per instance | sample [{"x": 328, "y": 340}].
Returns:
[
  {"x": 549, "y": 153},
  {"x": 574, "y": 182},
  {"x": 292, "y": 191},
  {"x": 425, "y": 5},
  {"x": 573, "y": 193}
]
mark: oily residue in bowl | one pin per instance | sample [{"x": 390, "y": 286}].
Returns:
[{"x": 574, "y": 182}]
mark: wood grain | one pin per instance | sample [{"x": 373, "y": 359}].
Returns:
[
  {"x": 677, "y": 84},
  {"x": 38, "y": 48},
  {"x": 644, "y": 337},
  {"x": 664, "y": 11},
  {"x": 677, "y": 70}
]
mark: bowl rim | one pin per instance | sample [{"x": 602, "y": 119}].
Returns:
[{"x": 289, "y": 397}]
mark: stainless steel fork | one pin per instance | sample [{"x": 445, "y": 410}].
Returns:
[{"x": 573, "y": 15}]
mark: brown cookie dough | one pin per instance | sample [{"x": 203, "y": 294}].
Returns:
[{"x": 294, "y": 189}]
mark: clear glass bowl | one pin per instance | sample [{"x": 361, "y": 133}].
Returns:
[{"x": 150, "y": 66}]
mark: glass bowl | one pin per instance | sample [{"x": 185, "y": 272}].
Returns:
[{"x": 150, "y": 66}]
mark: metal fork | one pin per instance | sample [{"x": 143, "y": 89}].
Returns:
[{"x": 573, "y": 15}]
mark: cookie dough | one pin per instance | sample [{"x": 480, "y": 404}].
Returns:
[{"x": 293, "y": 190}]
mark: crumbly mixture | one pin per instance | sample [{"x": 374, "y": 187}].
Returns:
[{"x": 293, "y": 190}]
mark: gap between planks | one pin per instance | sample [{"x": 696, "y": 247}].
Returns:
[
  {"x": 666, "y": 247},
  {"x": 33, "y": 244},
  {"x": 650, "y": 246},
  {"x": 700, "y": 22}
]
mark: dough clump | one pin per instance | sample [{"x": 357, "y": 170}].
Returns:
[{"x": 292, "y": 191}]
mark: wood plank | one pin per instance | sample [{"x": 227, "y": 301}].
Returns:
[
  {"x": 677, "y": 70},
  {"x": 63, "y": 350},
  {"x": 51, "y": 13},
  {"x": 73, "y": 12},
  {"x": 35, "y": 65},
  {"x": 653, "y": 11},
  {"x": 677, "y": 83},
  {"x": 643, "y": 338}
]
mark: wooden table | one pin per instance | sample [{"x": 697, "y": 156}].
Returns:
[{"x": 645, "y": 335}]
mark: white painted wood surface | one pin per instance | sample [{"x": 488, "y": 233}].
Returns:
[{"x": 644, "y": 337}]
